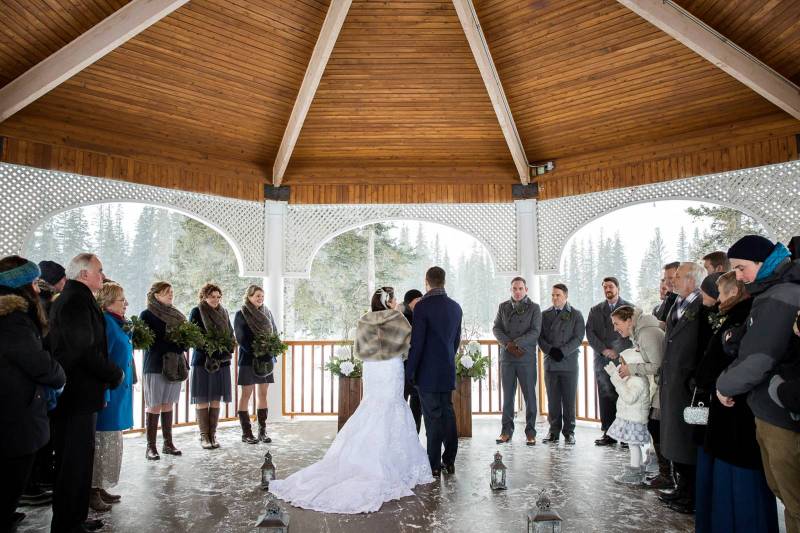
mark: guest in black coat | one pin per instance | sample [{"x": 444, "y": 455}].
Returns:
[
  {"x": 732, "y": 495},
  {"x": 78, "y": 342},
  {"x": 26, "y": 373}
]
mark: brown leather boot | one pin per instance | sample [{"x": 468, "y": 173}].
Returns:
[
  {"x": 213, "y": 420},
  {"x": 151, "y": 425},
  {"x": 97, "y": 503},
  {"x": 202, "y": 423},
  {"x": 247, "y": 428},
  {"x": 262, "y": 425},
  {"x": 664, "y": 479},
  {"x": 166, "y": 432}
]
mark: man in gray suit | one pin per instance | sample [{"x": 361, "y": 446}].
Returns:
[
  {"x": 563, "y": 329},
  {"x": 516, "y": 328},
  {"x": 607, "y": 345}
]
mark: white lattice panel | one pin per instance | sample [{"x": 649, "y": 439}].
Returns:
[
  {"x": 308, "y": 227},
  {"x": 31, "y": 195},
  {"x": 770, "y": 194}
]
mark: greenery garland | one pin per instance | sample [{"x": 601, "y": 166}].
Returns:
[
  {"x": 268, "y": 344},
  {"x": 186, "y": 335},
  {"x": 142, "y": 337}
]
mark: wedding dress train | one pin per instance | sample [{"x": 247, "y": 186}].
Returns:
[{"x": 375, "y": 458}]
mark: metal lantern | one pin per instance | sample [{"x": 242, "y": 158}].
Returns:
[
  {"x": 498, "y": 471},
  {"x": 543, "y": 519},
  {"x": 274, "y": 520},
  {"x": 267, "y": 471}
]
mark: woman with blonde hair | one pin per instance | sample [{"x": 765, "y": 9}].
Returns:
[
  {"x": 159, "y": 393},
  {"x": 252, "y": 320},
  {"x": 117, "y": 415}
]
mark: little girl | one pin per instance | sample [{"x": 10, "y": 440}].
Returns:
[{"x": 633, "y": 408}]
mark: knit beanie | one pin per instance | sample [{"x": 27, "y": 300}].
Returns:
[
  {"x": 411, "y": 296},
  {"x": 709, "y": 285},
  {"x": 751, "y": 248},
  {"x": 52, "y": 272}
]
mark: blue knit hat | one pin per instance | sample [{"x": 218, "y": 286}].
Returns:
[
  {"x": 751, "y": 248},
  {"x": 25, "y": 274}
]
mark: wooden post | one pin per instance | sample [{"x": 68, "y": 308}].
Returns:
[
  {"x": 462, "y": 405},
  {"x": 350, "y": 390}
]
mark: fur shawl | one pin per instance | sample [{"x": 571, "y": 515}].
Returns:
[{"x": 382, "y": 335}]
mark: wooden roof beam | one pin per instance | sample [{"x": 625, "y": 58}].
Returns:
[
  {"x": 334, "y": 19},
  {"x": 104, "y": 37},
  {"x": 480, "y": 50},
  {"x": 716, "y": 48}
]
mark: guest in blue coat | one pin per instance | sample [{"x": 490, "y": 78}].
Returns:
[
  {"x": 431, "y": 367},
  {"x": 117, "y": 415}
]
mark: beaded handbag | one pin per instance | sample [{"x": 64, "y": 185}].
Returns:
[{"x": 696, "y": 415}]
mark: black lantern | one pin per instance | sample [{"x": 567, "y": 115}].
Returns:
[
  {"x": 274, "y": 519},
  {"x": 267, "y": 471},
  {"x": 498, "y": 472},
  {"x": 543, "y": 519}
]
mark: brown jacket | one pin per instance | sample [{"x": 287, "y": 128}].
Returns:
[{"x": 382, "y": 335}]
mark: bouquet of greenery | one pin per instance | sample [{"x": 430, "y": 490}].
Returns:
[
  {"x": 142, "y": 336},
  {"x": 470, "y": 362},
  {"x": 218, "y": 342},
  {"x": 187, "y": 335},
  {"x": 268, "y": 344},
  {"x": 343, "y": 364}
]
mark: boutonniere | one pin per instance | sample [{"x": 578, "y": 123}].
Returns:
[
  {"x": 690, "y": 315},
  {"x": 566, "y": 315},
  {"x": 716, "y": 320}
]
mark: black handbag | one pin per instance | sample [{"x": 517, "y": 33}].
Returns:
[{"x": 175, "y": 368}]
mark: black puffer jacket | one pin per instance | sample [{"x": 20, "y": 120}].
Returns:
[
  {"x": 78, "y": 341},
  {"x": 25, "y": 369},
  {"x": 768, "y": 346}
]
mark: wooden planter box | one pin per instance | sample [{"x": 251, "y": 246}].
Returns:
[
  {"x": 462, "y": 404},
  {"x": 350, "y": 391}
]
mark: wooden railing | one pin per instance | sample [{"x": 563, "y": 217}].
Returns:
[{"x": 310, "y": 390}]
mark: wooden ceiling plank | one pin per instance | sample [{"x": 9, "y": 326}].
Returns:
[
  {"x": 82, "y": 52},
  {"x": 334, "y": 19},
  {"x": 689, "y": 30},
  {"x": 480, "y": 50}
]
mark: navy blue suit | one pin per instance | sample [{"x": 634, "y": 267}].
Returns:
[{"x": 431, "y": 366}]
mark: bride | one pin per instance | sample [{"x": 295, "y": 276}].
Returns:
[{"x": 377, "y": 455}]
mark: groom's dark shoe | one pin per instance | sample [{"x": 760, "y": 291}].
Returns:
[
  {"x": 551, "y": 437},
  {"x": 436, "y": 472},
  {"x": 450, "y": 469}
]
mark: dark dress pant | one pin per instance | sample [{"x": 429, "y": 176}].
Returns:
[
  {"x": 74, "y": 446},
  {"x": 440, "y": 427}
]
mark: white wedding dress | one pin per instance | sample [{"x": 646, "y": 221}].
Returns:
[{"x": 375, "y": 458}]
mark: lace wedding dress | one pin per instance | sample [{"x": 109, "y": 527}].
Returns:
[{"x": 375, "y": 458}]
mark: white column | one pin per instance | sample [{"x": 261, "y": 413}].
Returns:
[
  {"x": 527, "y": 261},
  {"x": 273, "y": 290}
]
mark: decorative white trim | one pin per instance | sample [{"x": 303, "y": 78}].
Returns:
[
  {"x": 32, "y": 195},
  {"x": 308, "y": 227},
  {"x": 769, "y": 194}
]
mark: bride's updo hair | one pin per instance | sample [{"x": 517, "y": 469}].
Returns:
[{"x": 381, "y": 298}]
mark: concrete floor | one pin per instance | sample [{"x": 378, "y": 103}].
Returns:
[{"x": 211, "y": 491}]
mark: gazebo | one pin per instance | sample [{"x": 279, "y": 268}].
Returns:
[{"x": 281, "y": 124}]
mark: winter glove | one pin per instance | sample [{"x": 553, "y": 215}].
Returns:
[
  {"x": 515, "y": 350},
  {"x": 611, "y": 369},
  {"x": 556, "y": 354}
]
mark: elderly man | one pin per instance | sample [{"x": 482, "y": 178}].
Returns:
[
  {"x": 667, "y": 278},
  {"x": 685, "y": 340},
  {"x": 563, "y": 329},
  {"x": 516, "y": 328},
  {"x": 607, "y": 345},
  {"x": 78, "y": 343}
]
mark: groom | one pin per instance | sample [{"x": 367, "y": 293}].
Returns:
[{"x": 431, "y": 367}]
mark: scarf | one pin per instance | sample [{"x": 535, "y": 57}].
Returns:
[
  {"x": 166, "y": 313},
  {"x": 436, "y": 291},
  {"x": 215, "y": 318},
  {"x": 521, "y": 306},
  {"x": 259, "y": 319},
  {"x": 779, "y": 253}
]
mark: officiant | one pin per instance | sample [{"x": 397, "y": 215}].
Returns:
[{"x": 562, "y": 333}]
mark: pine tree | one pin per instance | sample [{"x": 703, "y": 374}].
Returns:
[
  {"x": 620, "y": 266},
  {"x": 727, "y": 226},
  {"x": 74, "y": 234},
  {"x": 650, "y": 272},
  {"x": 684, "y": 253},
  {"x": 45, "y": 243}
]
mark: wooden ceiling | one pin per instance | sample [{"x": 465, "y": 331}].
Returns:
[{"x": 589, "y": 84}]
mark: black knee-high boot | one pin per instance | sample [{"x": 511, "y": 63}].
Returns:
[{"x": 262, "y": 425}]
